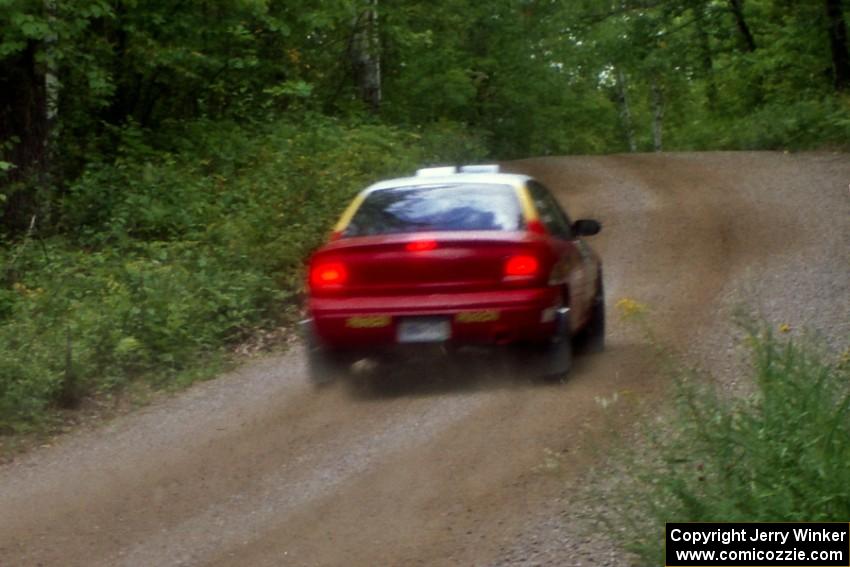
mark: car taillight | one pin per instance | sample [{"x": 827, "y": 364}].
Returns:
[
  {"x": 521, "y": 265},
  {"x": 328, "y": 274}
]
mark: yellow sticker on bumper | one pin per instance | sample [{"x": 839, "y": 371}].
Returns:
[
  {"x": 368, "y": 321},
  {"x": 477, "y": 316}
]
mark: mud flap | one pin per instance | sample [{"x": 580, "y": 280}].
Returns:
[
  {"x": 324, "y": 366},
  {"x": 559, "y": 354}
]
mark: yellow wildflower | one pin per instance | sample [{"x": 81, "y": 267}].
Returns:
[{"x": 630, "y": 308}]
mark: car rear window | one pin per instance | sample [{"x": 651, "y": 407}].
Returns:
[{"x": 426, "y": 208}]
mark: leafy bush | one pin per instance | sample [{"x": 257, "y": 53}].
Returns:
[
  {"x": 170, "y": 254},
  {"x": 798, "y": 125},
  {"x": 778, "y": 455}
]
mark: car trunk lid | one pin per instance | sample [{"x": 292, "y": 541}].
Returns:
[{"x": 434, "y": 262}]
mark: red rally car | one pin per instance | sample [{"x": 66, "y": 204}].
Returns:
[{"x": 455, "y": 257}]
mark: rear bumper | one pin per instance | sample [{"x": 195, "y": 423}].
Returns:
[{"x": 498, "y": 317}]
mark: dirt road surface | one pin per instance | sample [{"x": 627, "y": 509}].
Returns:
[{"x": 258, "y": 468}]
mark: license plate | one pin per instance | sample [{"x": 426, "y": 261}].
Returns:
[{"x": 424, "y": 330}]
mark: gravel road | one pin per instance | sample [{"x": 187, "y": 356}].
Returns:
[{"x": 451, "y": 464}]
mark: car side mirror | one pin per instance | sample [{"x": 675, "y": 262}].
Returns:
[{"x": 586, "y": 227}]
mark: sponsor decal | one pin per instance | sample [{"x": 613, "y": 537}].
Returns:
[
  {"x": 368, "y": 321},
  {"x": 477, "y": 316}
]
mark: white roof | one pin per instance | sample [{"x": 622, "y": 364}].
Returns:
[{"x": 511, "y": 179}]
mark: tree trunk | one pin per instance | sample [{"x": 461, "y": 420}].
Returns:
[
  {"x": 365, "y": 56},
  {"x": 52, "y": 85},
  {"x": 23, "y": 133},
  {"x": 625, "y": 110},
  {"x": 838, "y": 44},
  {"x": 657, "y": 114},
  {"x": 737, "y": 7},
  {"x": 706, "y": 57}
]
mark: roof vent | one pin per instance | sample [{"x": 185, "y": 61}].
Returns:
[
  {"x": 489, "y": 168},
  {"x": 436, "y": 171}
]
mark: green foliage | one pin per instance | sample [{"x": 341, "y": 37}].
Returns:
[
  {"x": 171, "y": 254},
  {"x": 538, "y": 77},
  {"x": 797, "y": 125},
  {"x": 778, "y": 455}
]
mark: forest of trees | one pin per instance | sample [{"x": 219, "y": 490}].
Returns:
[{"x": 165, "y": 165}]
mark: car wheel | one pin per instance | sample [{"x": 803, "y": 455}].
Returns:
[
  {"x": 592, "y": 337},
  {"x": 324, "y": 365}
]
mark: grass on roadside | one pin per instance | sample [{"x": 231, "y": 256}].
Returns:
[{"x": 779, "y": 454}]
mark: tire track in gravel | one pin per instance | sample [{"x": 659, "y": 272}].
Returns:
[{"x": 442, "y": 468}]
